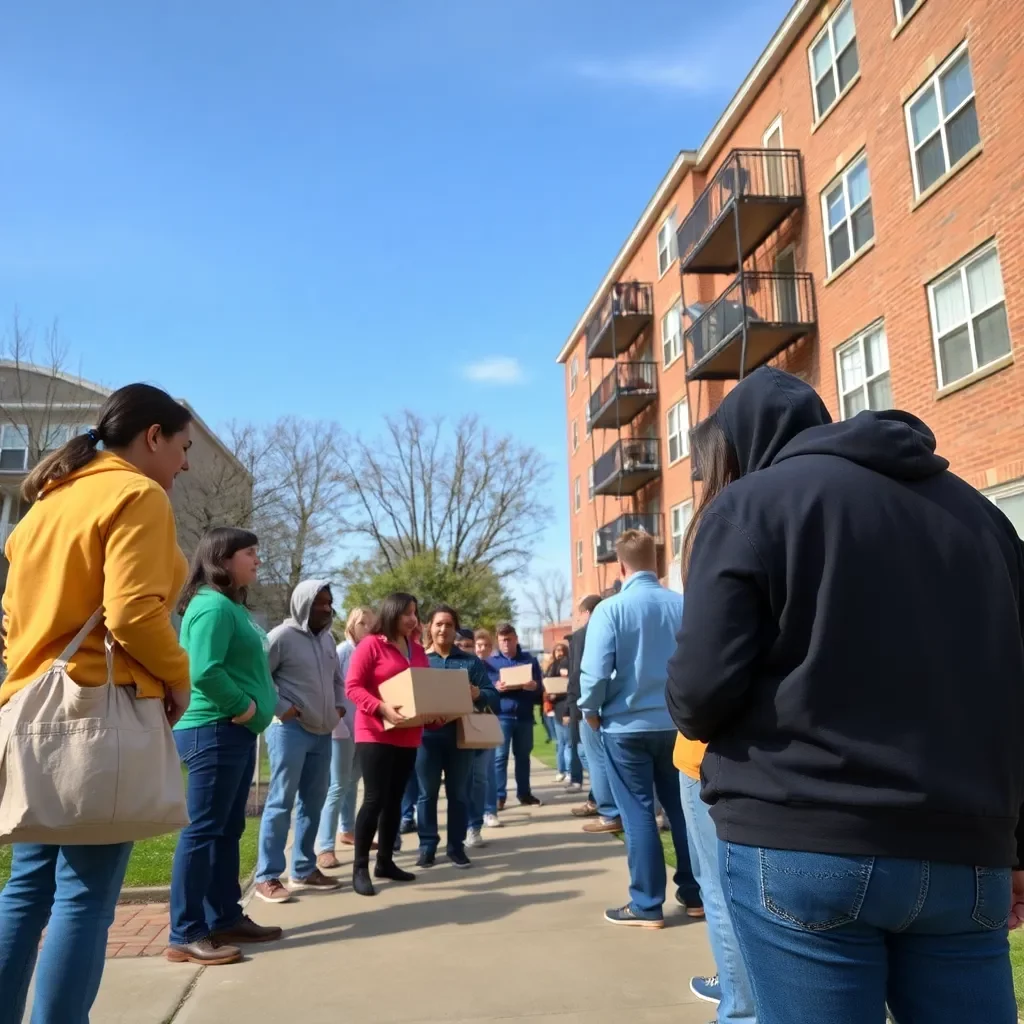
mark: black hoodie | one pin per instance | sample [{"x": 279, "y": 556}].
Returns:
[{"x": 851, "y": 645}]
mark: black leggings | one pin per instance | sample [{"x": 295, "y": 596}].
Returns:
[{"x": 385, "y": 770}]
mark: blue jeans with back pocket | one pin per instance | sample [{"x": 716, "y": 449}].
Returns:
[{"x": 833, "y": 938}]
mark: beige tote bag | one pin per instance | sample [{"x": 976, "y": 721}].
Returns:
[{"x": 86, "y": 765}]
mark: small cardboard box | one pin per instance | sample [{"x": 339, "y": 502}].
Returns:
[
  {"x": 516, "y": 677},
  {"x": 479, "y": 731},
  {"x": 556, "y": 686},
  {"x": 422, "y": 694}
]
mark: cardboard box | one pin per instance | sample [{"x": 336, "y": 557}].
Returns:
[
  {"x": 516, "y": 677},
  {"x": 422, "y": 694},
  {"x": 479, "y": 731},
  {"x": 556, "y": 686}
]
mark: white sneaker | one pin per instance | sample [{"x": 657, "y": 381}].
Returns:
[
  {"x": 561, "y": 777},
  {"x": 474, "y": 840},
  {"x": 573, "y": 787},
  {"x": 491, "y": 821}
]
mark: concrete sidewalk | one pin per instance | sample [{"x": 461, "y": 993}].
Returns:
[{"x": 519, "y": 935}]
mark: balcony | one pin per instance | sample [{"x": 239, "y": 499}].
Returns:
[
  {"x": 779, "y": 310},
  {"x": 627, "y": 466},
  {"x": 623, "y": 315},
  {"x": 763, "y": 186},
  {"x": 649, "y": 522},
  {"x": 623, "y": 394}
]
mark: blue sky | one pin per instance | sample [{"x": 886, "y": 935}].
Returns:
[{"x": 299, "y": 213}]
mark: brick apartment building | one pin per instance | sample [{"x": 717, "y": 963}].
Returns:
[{"x": 856, "y": 216}]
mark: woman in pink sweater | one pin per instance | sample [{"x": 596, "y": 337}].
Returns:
[{"x": 386, "y": 757}]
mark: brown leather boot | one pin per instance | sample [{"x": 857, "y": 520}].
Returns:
[{"x": 206, "y": 952}]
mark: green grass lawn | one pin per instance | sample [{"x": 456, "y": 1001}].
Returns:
[{"x": 1017, "y": 963}]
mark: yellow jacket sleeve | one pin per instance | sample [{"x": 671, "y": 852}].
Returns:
[{"x": 139, "y": 562}]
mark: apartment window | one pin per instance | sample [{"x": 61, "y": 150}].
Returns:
[
  {"x": 672, "y": 333},
  {"x": 834, "y": 60},
  {"x": 968, "y": 314},
  {"x": 586, "y": 366},
  {"x": 862, "y": 366},
  {"x": 905, "y": 8},
  {"x": 575, "y": 436},
  {"x": 590, "y": 484},
  {"x": 13, "y": 447},
  {"x": 942, "y": 121},
  {"x": 679, "y": 519},
  {"x": 576, "y": 495},
  {"x": 597, "y": 544},
  {"x": 579, "y": 558},
  {"x": 668, "y": 250},
  {"x": 574, "y": 375},
  {"x": 678, "y": 432},
  {"x": 1010, "y": 500},
  {"x": 846, "y": 208},
  {"x": 586, "y": 416}
]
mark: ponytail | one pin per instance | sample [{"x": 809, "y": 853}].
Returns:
[{"x": 67, "y": 459}]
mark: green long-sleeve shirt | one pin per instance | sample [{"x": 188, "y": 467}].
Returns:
[{"x": 227, "y": 663}]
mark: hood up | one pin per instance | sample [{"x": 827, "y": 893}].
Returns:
[{"x": 302, "y": 602}]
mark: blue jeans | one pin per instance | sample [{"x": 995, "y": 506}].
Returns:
[
  {"x": 75, "y": 888},
  {"x": 848, "y": 933},
  {"x": 640, "y": 766},
  {"x": 410, "y": 798},
  {"x": 576, "y": 754},
  {"x": 562, "y": 748},
  {"x": 592, "y": 741},
  {"x": 737, "y": 997},
  {"x": 341, "y": 795},
  {"x": 518, "y": 740},
  {"x": 205, "y": 893},
  {"x": 439, "y": 753},
  {"x": 300, "y": 772},
  {"x": 549, "y": 725},
  {"x": 481, "y": 785}
]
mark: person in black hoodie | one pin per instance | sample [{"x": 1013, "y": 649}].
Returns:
[{"x": 851, "y": 650}]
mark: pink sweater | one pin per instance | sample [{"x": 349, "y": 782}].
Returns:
[{"x": 374, "y": 661}]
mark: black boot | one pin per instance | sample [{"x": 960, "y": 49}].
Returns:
[
  {"x": 361, "y": 883},
  {"x": 390, "y": 870}
]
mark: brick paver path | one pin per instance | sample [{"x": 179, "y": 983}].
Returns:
[{"x": 139, "y": 929}]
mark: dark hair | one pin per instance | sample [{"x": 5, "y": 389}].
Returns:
[
  {"x": 445, "y": 609},
  {"x": 718, "y": 467},
  {"x": 589, "y": 603},
  {"x": 464, "y": 634},
  {"x": 215, "y": 547},
  {"x": 506, "y": 629},
  {"x": 126, "y": 413},
  {"x": 392, "y": 608}
]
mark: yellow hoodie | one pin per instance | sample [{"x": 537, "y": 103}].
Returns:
[{"x": 105, "y": 536}]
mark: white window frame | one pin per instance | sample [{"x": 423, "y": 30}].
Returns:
[
  {"x": 597, "y": 536},
  {"x": 1008, "y": 490},
  {"x": 960, "y": 268},
  {"x": 574, "y": 375},
  {"x": 575, "y": 437},
  {"x": 579, "y": 558},
  {"x": 668, "y": 252},
  {"x": 833, "y": 68},
  {"x": 770, "y": 131},
  {"x": 672, "y": 513},
  {"x": 590, "y": 483},
  {"x": 24, "y": 435},
  {"x": 858, "y": 340},
  {"x": 677, "y": 347},
  {"x": 576, "y": 501},
  {"x": 900, "y": 16},
  {"x": 944, "y": 118},
  {"x": 682, "y": 431},
  {"x": 844, "y": 178}
]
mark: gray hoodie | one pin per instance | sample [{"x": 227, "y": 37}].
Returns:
[{"x": 305, "y": 666}]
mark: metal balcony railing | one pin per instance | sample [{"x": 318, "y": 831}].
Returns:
[
  {"x": 765, "y": 184},
  {"x": 625, "y": 312},
  {"x": 607, "y": 535},
  {"x": 779, "y": 310},
  {"x": 627, "y": 466},
  {"x": 623, "y": 394}
]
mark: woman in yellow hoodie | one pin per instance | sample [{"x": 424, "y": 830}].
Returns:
[{"x": 100, "y": 533}]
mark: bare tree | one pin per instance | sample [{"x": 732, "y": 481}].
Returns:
[
  {"x": 472, "y": 498},
  {"x": 550, "y": 596}
]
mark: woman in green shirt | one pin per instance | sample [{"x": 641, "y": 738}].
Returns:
[{"x": 233, "y": 701}]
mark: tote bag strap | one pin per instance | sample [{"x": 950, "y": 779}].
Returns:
[{"x": 72, "y": 648}]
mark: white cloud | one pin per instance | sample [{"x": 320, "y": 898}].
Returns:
[
  {"x": 675, "y": 74},
  {"x": 495, "y": 370}
]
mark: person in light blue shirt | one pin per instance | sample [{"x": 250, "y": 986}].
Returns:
[{"x": 630, "y": 638}]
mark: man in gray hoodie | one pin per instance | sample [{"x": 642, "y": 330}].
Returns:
[{"x": 305, "y": 668}]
